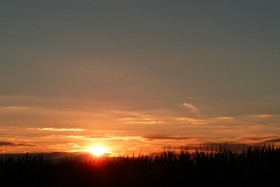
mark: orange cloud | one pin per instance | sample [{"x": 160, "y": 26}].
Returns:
[
  {"x": 264, "y": 115},
  {"x": 60, "y": 129}
]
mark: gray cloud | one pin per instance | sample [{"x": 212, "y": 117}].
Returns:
[
  {"x": 11, "y": 144},
  {"x": 276, "y": 140},
  {"x": 4, "y": 143}
]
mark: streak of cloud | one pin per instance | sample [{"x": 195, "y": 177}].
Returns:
[
  {"x": 205, "y": 120},
  {"x": 166, "y": 137},
  {"x": 276, "y": 140},
  {"x": 142, "y": 120},
  {"x": 106, "y": 137},
  {"x": 15, "y": 108},
  {"x": 61, "y": 129},
  {"x": 191, "y": 108},
  {"x": 11, "y": 144},
  {"x": 264, "y": 115}
]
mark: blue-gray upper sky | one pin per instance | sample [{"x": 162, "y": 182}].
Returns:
[{"x": 197, "y": 59}]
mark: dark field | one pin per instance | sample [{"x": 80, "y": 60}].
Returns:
[{"x": 258, "y": 166}]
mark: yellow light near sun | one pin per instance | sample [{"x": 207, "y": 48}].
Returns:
[{"x": 98, "y": 150}]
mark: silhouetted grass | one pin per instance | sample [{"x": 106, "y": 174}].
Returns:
[{"x": 258, "y": 166}]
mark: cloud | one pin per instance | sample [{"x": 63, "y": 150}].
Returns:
[
  {"x": 191, "y": 108},
  {"x": 142, "y": 120},
  {"x": 4, "y": 143},
  {"x": 276, "y": 140},
  {"x": 254, "y": 138},
  {"x": 15, "y": 108},
  {"x": 205, "y": 120},
  {"x": 61, "y": 129},
  {"x": 11, "y": 144},
  {"x": 192, "y": 120},
  {"x": 166, "y": 137},
  {"x": 105, "y": 137},
  {"x": 264, "y": 115},
  {"x": 223, "y": 118}
]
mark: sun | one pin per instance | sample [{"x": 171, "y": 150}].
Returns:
[{"x": 98, "y": 150}]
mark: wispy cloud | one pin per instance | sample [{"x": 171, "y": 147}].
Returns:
[
  {"x": 192, "y": 120},
  {"x": 191, "y": 108},
  {"x": 15, "y": 108},
  {"x": 223, "y": 118},
  {"x": 142, "y": 120},
  {"x": 264, "y": 115},
  {"x": 205, "y": 120},
  {"x": 155, "y": 137},
  {"x": 105, "y": 137},
  {"x": 61, "y": 129}
]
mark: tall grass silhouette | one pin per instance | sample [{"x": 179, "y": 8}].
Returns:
[{"x": 255, "y": 166}]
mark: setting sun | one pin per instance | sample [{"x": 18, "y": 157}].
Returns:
[{"x": 98, "y": 150}]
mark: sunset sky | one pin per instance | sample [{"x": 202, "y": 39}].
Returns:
[{"x": 138, "y": 74}]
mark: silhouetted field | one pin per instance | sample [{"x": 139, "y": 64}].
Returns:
[{"x": 258, "y": 166}]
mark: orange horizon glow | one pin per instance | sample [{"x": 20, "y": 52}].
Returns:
[{"x": 128, "y": 132}]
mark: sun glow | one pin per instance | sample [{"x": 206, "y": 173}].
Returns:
[{"x": 98, "y": 150}]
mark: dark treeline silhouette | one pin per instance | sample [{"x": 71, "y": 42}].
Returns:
[{"x": 255, "y": 166}]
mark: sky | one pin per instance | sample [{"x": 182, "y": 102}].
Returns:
[{"x": 138, "y": 76}]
